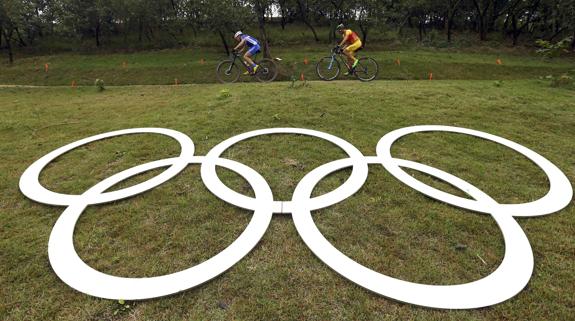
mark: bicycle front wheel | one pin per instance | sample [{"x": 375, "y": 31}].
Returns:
[
  {"x": 366, "y": 69},
  {"x": 327, "y": 68},
  {"x": 228, "y": 72},
  {"x": 267, "y": 70}
]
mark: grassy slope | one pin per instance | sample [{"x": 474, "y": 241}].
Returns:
[
  {"x": 386, "y": 226},
  {"x": 163, "y": 67}
]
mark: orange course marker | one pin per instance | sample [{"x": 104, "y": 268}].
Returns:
[
  {"x": 305, "y": 61},
  {"x": 397, "y": 61},
  {"x": 46, "y": 67},
  {"x": 499, "y": 62},
  {"x": 302, "y": 77},
  {"x": 430, "y": 76},
  {"x": 74, "y": 85}
]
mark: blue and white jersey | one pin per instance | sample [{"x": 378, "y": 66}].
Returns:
[{"x": 250, "y": 41}]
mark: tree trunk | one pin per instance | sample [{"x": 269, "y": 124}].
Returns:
[
  {"x": 98, "y": 34},
  {"x": 262, "y": 26},
  {"x": 482, "y": 31},
  {"x": 450, "y": 18},
  {"x": 481, "y": 15},
  {"x": 331, "y": 36},
  {"x": 7, "y": 39},
  {"x": 303, "y": 15},
  {"x": 10, "y": 53},
  {"x": 493, "y": 15},
  {"x": 224, "y": 42},
  {"x": 515, "y": 32},
  {"x": 517, "y": 29},
  {"x": 420, "y": 28},
  {"x": 308, "y": 24},
  {"x": 364, "y": 32},
  {"x": 282, "y": 13},
  {"x": 449, "y": 30},
  {"x": 406, "y": 19},
  {"x": 21, "y": 42},
  {"x": 557, "y": 33},
  {"x": 140, "y": 29}
]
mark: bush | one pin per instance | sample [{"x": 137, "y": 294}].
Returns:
[
  {"x": 549, "y": 49},
  {"x": 224, "y": 94},
  {"x": 99, "y": 83}
]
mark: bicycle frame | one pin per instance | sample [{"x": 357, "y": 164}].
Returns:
[
  {"x": 235, "y": 57},
  {"x": 266, "y": 72},
  {"x": 365, "y": 70},
  {"x": 334, "y": 55}
]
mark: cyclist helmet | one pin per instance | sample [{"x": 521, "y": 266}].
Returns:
[
  {"x": 340, "y": 27},
  {"x": 239, "y": 33}
]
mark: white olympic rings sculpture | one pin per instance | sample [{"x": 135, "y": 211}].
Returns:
[{"x": 507, "y": 280}]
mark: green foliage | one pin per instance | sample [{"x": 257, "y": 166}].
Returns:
[
  {"x": 224, "y": 94},
  {"x": 550, "y": 49},
  {"x": 99, "y": 83},
  {"x": 129, "y": 24},
  {"x": 121, "y": 307},
  {"x": 297, "y": 83}
]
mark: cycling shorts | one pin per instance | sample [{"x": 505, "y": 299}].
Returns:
[
  {"x": 254, "y": 50},
  {"x": 354, "y": 46}
]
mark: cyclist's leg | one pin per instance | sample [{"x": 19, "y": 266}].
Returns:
[
  {"x": 349, "y": 55},
  {"x": 242, "y": 59},
  {"x": 248, "y": 57},
  {"x": 352, "y": 49}
]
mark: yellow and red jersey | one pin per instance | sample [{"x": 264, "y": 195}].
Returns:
[{"x": 351, "y": 36}]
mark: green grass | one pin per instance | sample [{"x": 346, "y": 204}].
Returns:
[
  {"x": 386, "y": 225},
  {"x": 197, "y": 65}
]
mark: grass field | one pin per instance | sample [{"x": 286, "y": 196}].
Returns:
[
  {"x": 198, "y": 65},
  {"x": 386, "y": 226}
]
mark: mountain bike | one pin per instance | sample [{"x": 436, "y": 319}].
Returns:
[
  {"x": 329, "y": 68},
  {"x": 229, "y": 70}
]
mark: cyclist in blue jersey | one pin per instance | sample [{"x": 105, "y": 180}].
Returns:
[{"x": 253, "y": 47}]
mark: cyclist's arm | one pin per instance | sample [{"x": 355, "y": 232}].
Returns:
[
  {"x": 240, "y": 45},
  {"x": 344, "y": 41}
]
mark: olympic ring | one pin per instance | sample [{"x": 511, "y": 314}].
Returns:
[{"x": 507, "y": 280}]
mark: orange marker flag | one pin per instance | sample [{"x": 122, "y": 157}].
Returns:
[
  {"x": 397, "y": 61},
  {"x": 74, "y": 84},
  {"x": 305, "y": 61},
  {"x": 302, "y": 77},
  {"x": 430, "y": 76},
  {"x": 499, "y": 62},
  {"x": 46, "y": 67}
]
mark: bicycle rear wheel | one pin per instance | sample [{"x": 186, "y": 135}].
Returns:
[
  {"x": 228, "y": 72},
  {"x": 267, "y": 70},
  {"x": 367, "y": 69},
  {"x": 327, "y": 68}
]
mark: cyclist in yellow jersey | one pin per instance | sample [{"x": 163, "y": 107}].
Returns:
[{"x": 349, "y": 44}]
